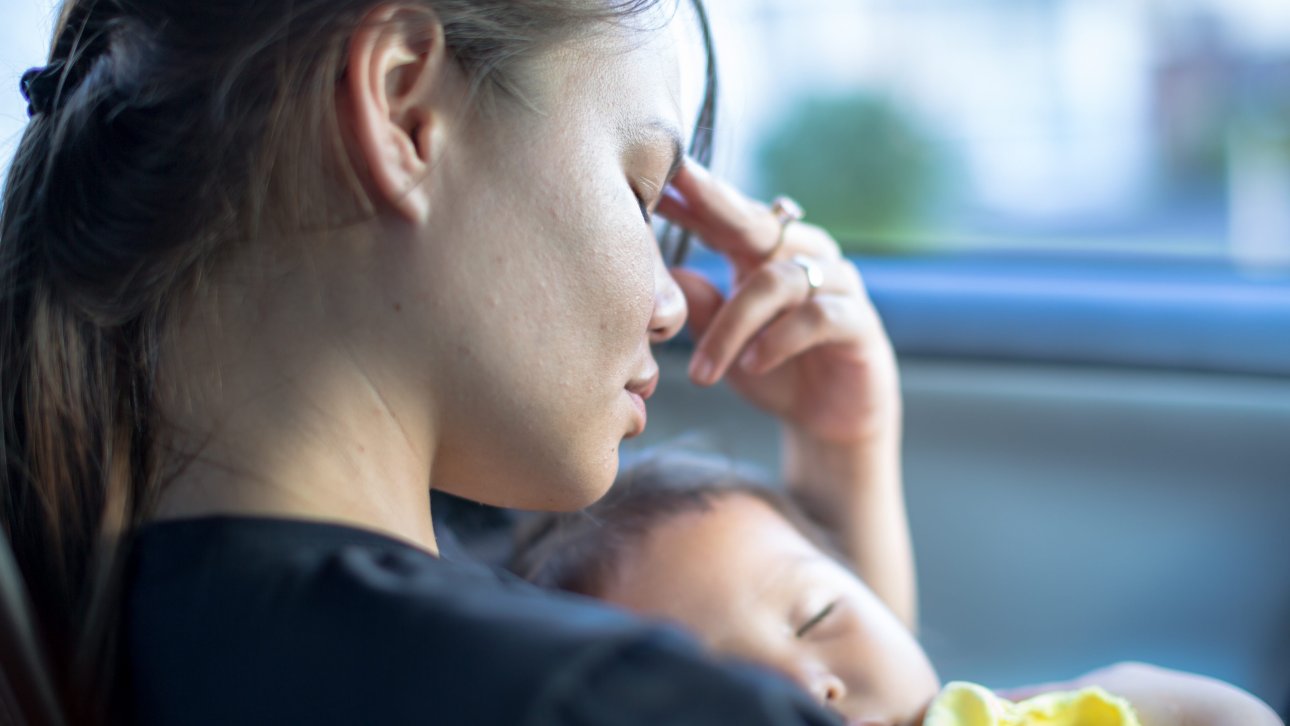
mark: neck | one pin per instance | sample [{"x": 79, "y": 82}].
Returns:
[{"x": 279, "y": 417}]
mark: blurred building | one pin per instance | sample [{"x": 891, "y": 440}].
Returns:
[{"x": 1068, "y": 122}]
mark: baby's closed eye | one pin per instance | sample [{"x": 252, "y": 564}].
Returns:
[{"x": 815, "y": 616}]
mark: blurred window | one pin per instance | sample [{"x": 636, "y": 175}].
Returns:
[
  {"x": 1156, "y": 126},
  {"x": 24, "y": 40}
]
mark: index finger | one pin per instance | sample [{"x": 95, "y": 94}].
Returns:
[{"x": 728, "y": 222}]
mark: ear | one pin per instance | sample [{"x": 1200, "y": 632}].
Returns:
[{"x": 395, "y": 81}]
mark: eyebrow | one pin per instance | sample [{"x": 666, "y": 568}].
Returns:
[{"x": 670, "y": 134}]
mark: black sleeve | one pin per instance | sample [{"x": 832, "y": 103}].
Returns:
[{"x": 663, "y": 680}]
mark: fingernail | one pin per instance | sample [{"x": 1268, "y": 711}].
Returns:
[
  {"x": 701, "y": 369},
  {"x": 748, "y": 361}
]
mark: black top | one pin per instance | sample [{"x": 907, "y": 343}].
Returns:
[{"x": 260, "y": 621}]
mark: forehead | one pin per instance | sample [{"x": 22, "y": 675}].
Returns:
[
  {"x": 707, "y": 569},
  {"x": 623, "y": 76}
]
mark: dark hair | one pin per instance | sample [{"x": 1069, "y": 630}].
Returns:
[
  {"x": 579, "y": 551},
  {"x": 164, "y": 133}
]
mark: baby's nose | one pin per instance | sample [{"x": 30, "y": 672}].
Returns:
[{"x": 830, "y": 690}]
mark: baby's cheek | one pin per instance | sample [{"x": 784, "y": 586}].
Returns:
[
  {"x": 886, "y": 667},
  {"x": 746, "y": 639},
  {"x": 899, "y": 685}
]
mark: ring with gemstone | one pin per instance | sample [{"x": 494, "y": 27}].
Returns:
[{"x": 786, "y": 212}]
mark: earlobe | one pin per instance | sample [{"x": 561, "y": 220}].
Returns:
[{"x": 393, "y": 82}]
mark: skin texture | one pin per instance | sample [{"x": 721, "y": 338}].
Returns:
[
  {"x": 747, "y": 582},
  {"x": 480, "y": 334}
]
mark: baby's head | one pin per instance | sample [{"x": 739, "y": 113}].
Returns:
[{"x": 739, "y": 565}]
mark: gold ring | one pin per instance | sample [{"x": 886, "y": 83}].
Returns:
[
  {"x": 786, "y": 212},
  {"x": 814, "y": 273}
]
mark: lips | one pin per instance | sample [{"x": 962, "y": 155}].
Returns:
[{"x": 639, "y": 390}]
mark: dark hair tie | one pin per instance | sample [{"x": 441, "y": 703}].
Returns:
[{"x": 39, "y": 87}]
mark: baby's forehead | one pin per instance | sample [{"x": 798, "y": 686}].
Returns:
[
  {"x": 762, "y": 518},
  {"x": 721, "y": 569},
  {"x": 739, "y": 541}
]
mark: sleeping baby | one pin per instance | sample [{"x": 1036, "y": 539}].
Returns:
[{"x": 738, "y": 564}]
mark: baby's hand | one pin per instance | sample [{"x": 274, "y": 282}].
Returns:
[{"x": 798, "y": 336}]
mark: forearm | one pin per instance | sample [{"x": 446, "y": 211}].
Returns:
[
  {"x": 1165, "y": 697},
  {"x": 856, "y": 492}
]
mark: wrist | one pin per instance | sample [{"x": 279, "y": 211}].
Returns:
[
  {"x": 868, "y": 414},
  {"x": 831, "y": 475},
  {"x": 806, "y": 452}
]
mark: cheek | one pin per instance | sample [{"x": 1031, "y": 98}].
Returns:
[
  {"x": 885, "y": 669},
  {"x": 617, "y": 282},
  {"x": 575, "y": 288},
  {"x": 750, "y": 633},
  {"x": 636, "y": 288}
]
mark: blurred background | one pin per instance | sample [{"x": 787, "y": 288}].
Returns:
[
  {"x": 24, "y": 41},
  {"x": 916, "y": 125},
  {"x": 1074, "y": 216}
]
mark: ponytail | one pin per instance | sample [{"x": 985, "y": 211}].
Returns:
[{"x": 75, "y": 368}]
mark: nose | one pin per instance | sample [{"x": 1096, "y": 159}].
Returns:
[
  {"x": 829, "y": 689},
  {"x": 669, "y": 305},
  {"x": 816, "y": 679}
]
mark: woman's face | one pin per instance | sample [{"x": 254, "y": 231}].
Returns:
[
  {"x": 538, "y": 285},
  {"x": 750, "y": 585}
]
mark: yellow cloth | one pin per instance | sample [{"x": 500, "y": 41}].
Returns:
[{"x": 967, "y": 704}]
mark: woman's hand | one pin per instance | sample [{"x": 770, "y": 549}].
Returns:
[
  {"x": 1169, "y": 698},
  {"x": 819, "y": 360}
]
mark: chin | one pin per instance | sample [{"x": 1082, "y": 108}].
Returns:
[
  {"x": 548, "y": 474},
  {"x": 594, "y": 480},
  {"x": 577, "y": 486},
  {"x": 592, "y": 486}
]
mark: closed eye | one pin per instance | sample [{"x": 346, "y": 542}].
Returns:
[
  {"x": 816, "y": 620},
  {"x": 644, "y": 206}
]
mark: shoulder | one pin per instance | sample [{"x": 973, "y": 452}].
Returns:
[
  {"x": 557, "y": 658},
  {"x": 305, "y": 623},
  {"x": 660, "y": 677}
]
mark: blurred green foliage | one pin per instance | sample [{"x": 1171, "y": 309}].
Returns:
[{"x": 860, "y": 166}]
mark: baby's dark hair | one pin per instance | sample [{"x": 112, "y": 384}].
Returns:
[{"x": 579, "y": 551}]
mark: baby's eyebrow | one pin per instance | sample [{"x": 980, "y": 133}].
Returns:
[
  {"x": 754, "y": 593},
  {"x": 782, "y": 571}
]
